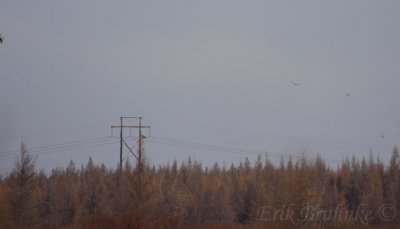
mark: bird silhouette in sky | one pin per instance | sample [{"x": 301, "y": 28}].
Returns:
[
  {"x": 382, "y": 135},
  {"x": 348, "y": 93},
  {"x": 1, "y": 39},
  {"x": 295, "y": 84}
]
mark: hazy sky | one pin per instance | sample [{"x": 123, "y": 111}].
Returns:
[{"x": 203, "y": 74}]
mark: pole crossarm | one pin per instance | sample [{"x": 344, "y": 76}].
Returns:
[{"x": 130, "y": 126}]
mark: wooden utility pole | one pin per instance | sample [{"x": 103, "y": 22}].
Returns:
[
  {"x": 122, "y": 141},
  {"x": 140, "y": 149}
]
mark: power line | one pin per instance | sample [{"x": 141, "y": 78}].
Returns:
[
  {"x": 85, "y": 143},
  {"x": 61, "y": 130},
  {"x": 61, "y": 150},
  {"x": 196, "y": 145},
  {"x": 55, "y": 145},
  {"x": 58, "y": 151},
  {"x": 228, "y": 132},
  {"x": 216, "y": 148},
  {"x": 76, "y": 142},
  {"x": 63, "y": 147}
]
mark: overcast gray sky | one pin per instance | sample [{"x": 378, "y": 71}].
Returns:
[{"x": 203, "y": 74}]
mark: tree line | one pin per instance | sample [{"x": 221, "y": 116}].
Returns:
[{"x": 303, "y": 193}]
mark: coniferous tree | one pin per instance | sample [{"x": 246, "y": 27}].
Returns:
[{"x": 22, "y": 196}]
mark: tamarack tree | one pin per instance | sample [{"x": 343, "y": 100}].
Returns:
[
  {"x": 189, "y": 195},
  {"x": 22, "y": 185}
]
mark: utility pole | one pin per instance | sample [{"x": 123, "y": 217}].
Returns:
[
  {"x": 138, "y": 179},
  {"x": 122, "y": 141},
  {"x": 120, "y": 150},
  {"x": 140, "y": 148}
]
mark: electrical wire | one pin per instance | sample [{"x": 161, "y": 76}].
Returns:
[
  {"x": 74, "y": 145},
  {"x": 291, "y": 139},
  {"x": 195, "y": 145},
  {"x": 61, "y": 130},
  {"x": 51, "y": 146},
  {"x": 94, "y": 142},
  {"x": 217, "y": 148}
]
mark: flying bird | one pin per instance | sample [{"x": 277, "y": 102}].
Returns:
[
  {"x": 295, "y": 84},
  {"x": 381, "y": 135},
  {"x": 1, "y": 39},
  {"x": 348, "y": 93}
]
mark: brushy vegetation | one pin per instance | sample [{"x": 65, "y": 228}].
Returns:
[{"x": 305, "y": 193}]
